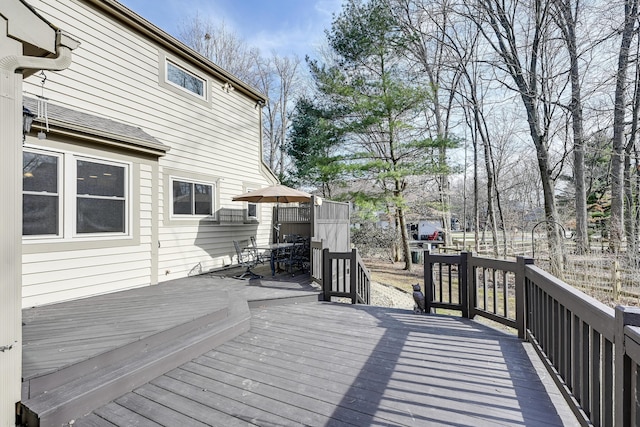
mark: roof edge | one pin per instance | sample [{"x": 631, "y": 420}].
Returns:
[
  {"x": 59, "y": 127},
  {"x": 172, "y": 44}
]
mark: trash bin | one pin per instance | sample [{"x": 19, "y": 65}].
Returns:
[{"x": 416, "y": 257}]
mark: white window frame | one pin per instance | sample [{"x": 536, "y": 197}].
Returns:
[
  {"x": 250, "y": 218},
  {"x": 67, "y": 202},
  {"x": 214, "y": 190},
  {"x": 204, "y": 81},
  {"x": 59, "y": 193},
  {"x": 74, "y": 202}
]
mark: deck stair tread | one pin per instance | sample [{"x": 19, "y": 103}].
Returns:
[
  {"x": 59, "y": 335},
  {"x": 128, "y": 368}
]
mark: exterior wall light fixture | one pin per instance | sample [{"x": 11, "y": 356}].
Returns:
[{"x": 27, "y": 121}]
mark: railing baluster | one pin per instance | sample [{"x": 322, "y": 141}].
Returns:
[
  {"x": 596, "y": 397},
  {"x": 607, "y": 383},
  {"x": 505, "y": 295},
  {"x": 449, "y": 268},
  {"x": 585, "y": 372},
  {"x": 577, "y": 358},
  {"x": 440, "y": 275}
]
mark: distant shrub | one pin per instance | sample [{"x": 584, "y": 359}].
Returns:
[{"x": 373, "y": 242}]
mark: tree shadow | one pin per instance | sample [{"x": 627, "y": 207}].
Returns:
[{"x": 447, "y": 371}]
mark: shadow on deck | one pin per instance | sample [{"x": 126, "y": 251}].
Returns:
[{"x": 252, "y": 359}]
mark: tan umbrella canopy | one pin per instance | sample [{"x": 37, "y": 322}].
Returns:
[{"x": 274, "y": 194}]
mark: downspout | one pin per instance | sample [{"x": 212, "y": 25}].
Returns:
[{"x": 64, "y": 46}]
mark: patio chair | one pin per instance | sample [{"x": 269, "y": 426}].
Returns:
[
  {"x": 286, "y": 257},
  {"x": 261, "y": 257},
  {"x": 301, "y": 254},
  {"x": 248, "y": 260}
]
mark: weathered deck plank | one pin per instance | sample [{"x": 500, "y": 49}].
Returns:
[
  {"x": 60, "y": 335},
  {"x": 332, "y": 364}
]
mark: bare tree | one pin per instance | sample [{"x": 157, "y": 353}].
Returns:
[
  {"x": 287, "y": 73},
  {"x": 276, "y": 76},
  {"x": 221, "y": 45},
  {"x": 427, "y": 24},
  {"x": 566, "y": 16},
  {"x": 517, "y": 32},
  {"x": 616, "y": 227}
]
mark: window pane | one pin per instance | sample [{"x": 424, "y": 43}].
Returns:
[
  {"x": 252, "y": 210},
  {"x": 98, "y": 179},
  {"x": 39, "y": 215},
  {"x": 39, "y": 173},
  {"x": 100, "y": 216},
  {"x": 203, "y": 199},
  {"x": 182, "y": 197},
  {"x": 184, "y": 79}
]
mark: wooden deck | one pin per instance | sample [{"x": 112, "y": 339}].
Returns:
[{"x": 324, "y": 364}]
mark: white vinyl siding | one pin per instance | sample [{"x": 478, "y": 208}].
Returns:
[
  {"x": 116, "y": 74},
  {"x": 59, "y": 271}
]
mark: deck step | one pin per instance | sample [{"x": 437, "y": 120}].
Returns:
[{"x": 56, "y": 401}]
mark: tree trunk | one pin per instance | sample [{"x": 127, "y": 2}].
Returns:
[
  {"x": 616, "y": 226},
  {"x": 567, "y": 22}
]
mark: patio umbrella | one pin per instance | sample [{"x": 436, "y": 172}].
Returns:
[{"x": 274, "y": 194}]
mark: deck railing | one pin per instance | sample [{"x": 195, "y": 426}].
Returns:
[
  {"x": 592, "y": 351},
  {"x": 316, "y": 261},
  {"x": 341, "y": 274}
]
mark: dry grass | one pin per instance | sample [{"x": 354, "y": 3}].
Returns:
[{"x": 393, "y": 274}]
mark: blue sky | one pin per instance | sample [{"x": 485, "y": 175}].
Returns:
[{"x": 285, "y": 26}]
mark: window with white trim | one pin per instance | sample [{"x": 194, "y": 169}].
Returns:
[
  {"x": 41, "y": 193},
  {"x": 185, "y": 80},
  {"x": 252, "y": 208},
  {"x": 100, "y": 197},
  {"x": 192, "y": 198},
  {"x": 252, "y": 211},
  {"x": 68, "y": 196}
]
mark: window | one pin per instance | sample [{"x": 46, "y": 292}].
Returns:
[
  {"x": 100, "y": 204},
  {"x": 186, "y": 80},
  {"x": 192, "y": 198},
  {"x": 40, "y": 194},
  {"x": 252, "y": 211},
  {"x": 67, "y": 196},
  {"x": 252, "y": 208}
]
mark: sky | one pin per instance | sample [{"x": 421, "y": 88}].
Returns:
[{"x": 286, "y": 27}]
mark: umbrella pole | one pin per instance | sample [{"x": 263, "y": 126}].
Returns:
[{"x": 277, "y": 227}]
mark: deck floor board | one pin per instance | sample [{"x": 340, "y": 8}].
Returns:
[
  {"x": 59, "y": 335},
  {"x": 322, "y": 364}
]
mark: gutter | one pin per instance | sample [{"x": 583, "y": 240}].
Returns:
[{"x": 64, "y": 45}]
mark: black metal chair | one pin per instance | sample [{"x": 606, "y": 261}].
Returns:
[{"x": 248, "y": 260}]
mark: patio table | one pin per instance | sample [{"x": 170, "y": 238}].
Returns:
[{"x": 274, "y": 249}]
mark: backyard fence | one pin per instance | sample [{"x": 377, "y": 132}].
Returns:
[{"x": 592, "y": 351}]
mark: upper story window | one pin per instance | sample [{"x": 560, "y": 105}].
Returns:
[
  {"x": 186, "y": 80},
  {"x": 192, "y": 198}
]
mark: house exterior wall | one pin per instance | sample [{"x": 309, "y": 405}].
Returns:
[{"x": 119, "y": 73}]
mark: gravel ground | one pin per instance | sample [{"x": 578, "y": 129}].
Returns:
[{"x": 390, "y": 296}]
